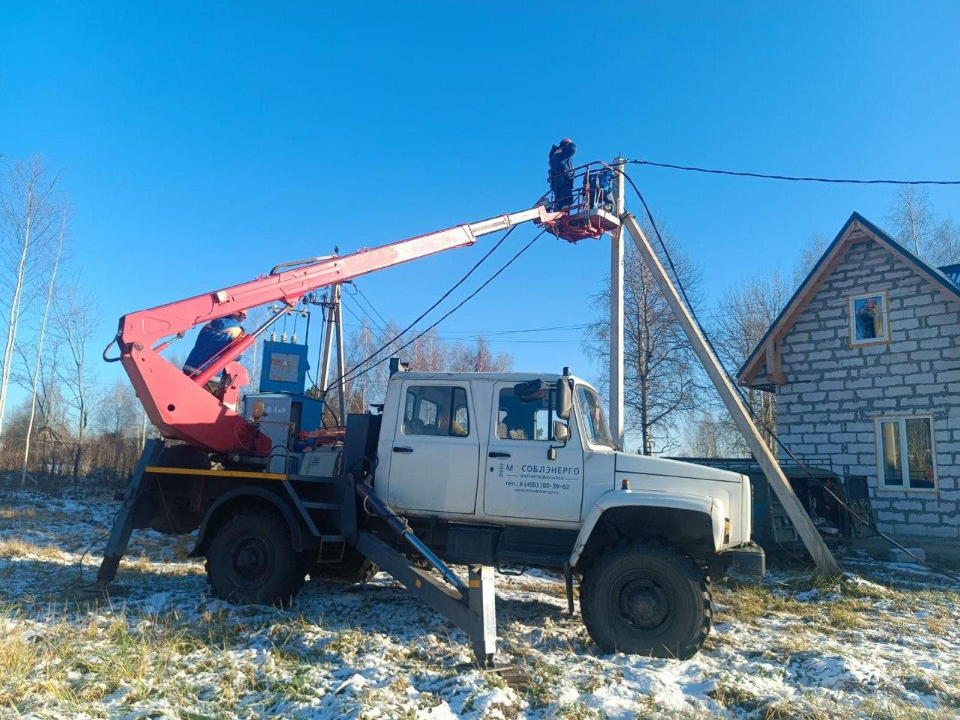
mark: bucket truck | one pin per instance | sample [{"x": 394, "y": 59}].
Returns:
[{"x": 483, "y": 470}]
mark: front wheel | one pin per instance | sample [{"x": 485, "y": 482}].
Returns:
[
  {"x": 647, "y": 599},
  {"x": 251, "y": 559}
]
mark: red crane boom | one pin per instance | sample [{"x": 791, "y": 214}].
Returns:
[{"x": 179, "y": 405}]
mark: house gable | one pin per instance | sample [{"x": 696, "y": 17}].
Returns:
[{"x": 763, "y": 368}]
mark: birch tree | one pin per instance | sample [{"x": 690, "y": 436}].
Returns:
[
  {"x": 64, "y": 213},
  {"x": 478, "y": 357},
  {"x": 916, "y": 225},
  {"x": 74, "y": 325},
  {"x": 28, "y": 222},
  {"x": 746, "y": 313}
]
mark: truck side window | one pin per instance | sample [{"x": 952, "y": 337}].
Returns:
[
  {"x": 436, "y": 410},
  {"x": 531, "y": 420}
]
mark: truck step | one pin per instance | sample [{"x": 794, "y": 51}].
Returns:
[
  {"x": 321, "y": 505},
  {"x": 315, "y": 479},
  {"x": 332, "y": 538}
]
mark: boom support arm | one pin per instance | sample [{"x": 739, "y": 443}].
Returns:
[{"x": 180, "y": 407}]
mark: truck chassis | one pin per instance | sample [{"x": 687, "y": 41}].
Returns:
[{"x": 339, "y": 524}]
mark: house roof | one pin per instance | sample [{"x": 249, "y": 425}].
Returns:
[{"x": 856, "y": 229}]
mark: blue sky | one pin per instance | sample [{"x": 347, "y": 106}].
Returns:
[{"x": 203, "y": 143}]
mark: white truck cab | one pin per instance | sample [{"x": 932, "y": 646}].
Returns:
[
  {"x": 487, "y": 470},
  {"x": 521, "y": 469}
]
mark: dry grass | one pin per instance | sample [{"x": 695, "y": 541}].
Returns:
[
  {"x": 198, "y": 658},
  {"x": 16, "y": 548}
]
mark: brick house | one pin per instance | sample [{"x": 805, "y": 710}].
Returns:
[{"x": 865, "y": 363}]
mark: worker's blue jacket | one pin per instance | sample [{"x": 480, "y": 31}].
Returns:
[
  {"x": 560, "y": 163},
  {"x": 213, "y": 337}
]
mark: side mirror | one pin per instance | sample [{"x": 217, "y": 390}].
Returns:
[
  {"x": 564, "y": 398},
  {"x": 561, "y": 432}
]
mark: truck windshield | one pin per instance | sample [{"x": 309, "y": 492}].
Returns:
[{"x": 593, "y": 418}]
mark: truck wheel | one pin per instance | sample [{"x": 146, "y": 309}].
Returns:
[
  {"x": 646, "y": 599},
  {"x": 354, "y": 568},
  {"x": 251, "y": 560}
]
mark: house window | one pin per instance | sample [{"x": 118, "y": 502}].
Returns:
[
  {"x": 869, "y": 321},
  {"x": 905, "y": 458}
]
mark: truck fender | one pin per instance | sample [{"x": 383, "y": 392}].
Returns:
[
  {"x": 647, "y": 499},
  {"x": 276, "y": 501}
]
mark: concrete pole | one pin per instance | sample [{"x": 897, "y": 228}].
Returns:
[
  {"x": 341, "y": 359},
  {"x": 329, "y": 318},
  {"x": 616, "y": 315},
  {"x": 814, "y": 543}
]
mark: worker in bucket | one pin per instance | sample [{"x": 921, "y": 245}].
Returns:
[
  {"x": 560, "y": 174},
  {"x": 214, "y": 337}
]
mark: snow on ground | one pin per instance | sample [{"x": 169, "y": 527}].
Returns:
[{"x": 884, "y": 642}]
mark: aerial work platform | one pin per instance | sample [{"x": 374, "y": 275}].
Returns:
[{"x": 590, "y": 210}]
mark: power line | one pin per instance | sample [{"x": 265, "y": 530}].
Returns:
[
  {"x": 467, "y": 334},
  {"x": 348, "y": 377},
  {"x": 443, "y": 297},
  {"x": 364, "y": 321},
  {"x": 367, "y": 317},
  {"x": 791, "y": 178},
  {"x": 376, "y": 312}
]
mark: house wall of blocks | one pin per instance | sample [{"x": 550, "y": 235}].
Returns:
[{"x": 837, "y": 395}]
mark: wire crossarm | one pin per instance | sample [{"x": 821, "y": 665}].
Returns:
[{"x": 181, "y": 408}]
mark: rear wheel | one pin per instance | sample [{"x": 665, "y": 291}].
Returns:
[
  {"x": 251, "y": 559},
  {"x": 646, "y": 599}
]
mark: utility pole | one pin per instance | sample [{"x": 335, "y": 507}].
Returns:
[
  {"x": 814, "y": 543},
  {"x": 329, "y": 305},
  {"x": 333, "y": 316},
  {"x": 616, "y": 314},
  {"x": 341, "y": 362}
]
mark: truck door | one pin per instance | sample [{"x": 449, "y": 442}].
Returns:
[
  {"x": 435, "y": 461},
  {"x": 520, "y": 480}
]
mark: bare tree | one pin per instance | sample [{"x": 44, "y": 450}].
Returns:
[
  {"x": 478, "y": 357},
  {"x": 810, "y": 255},
  {"x": 662, "y": 378},
  {"x": 118, "y": 424},
  {"x": 708, "y": 436},
  {"x": 29, "y": 216},
  {"x": 74, "y": 327},
  {"x": 429, "y": 353},
  {"x": 916, "y": 225},
  {"x": 64, "y": 214},
  {"x": 746, "y": 313}
]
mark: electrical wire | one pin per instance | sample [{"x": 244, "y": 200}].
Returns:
[
  {"x": 365, "y": 321},
  {"x": 756, "y": 418},
  {"x": 352, "y": 295},
  {"x": 791, "y": 178},
  {"x": 375, "y": 311},
  {"x": 347, "y": 376}
]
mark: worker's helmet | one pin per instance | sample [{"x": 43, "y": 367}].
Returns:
[
  {"x": 240, "y": 315},
  {"x": 566, "y": 141}
]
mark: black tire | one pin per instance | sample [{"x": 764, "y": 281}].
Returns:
[
  {"x": 353, "y": 568},
  {"x": 647, "y": 599},
  {"x": 251, "y": 560}
]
